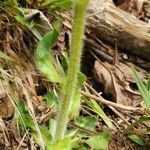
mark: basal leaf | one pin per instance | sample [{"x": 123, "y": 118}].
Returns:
[
  {"x": 51, "y": 99},
  {"x": 43, "y": 57},
  {"x": 86, "y": 122},
  {"x": 52, "y": 126},
  {"x": 99, "y": 142},
  {"x": 65, "y": 144}
]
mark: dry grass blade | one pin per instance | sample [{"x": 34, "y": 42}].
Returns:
[
  {"x": 5, "y": 132},
  {"x": 32, "y": 113}
]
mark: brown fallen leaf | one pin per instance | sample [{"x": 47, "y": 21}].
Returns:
[{"x": 115, "y": 83}]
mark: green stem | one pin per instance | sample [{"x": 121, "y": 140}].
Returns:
[{"x": 74, "y": 66}]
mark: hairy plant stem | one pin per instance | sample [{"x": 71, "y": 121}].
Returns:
[{"x": 74, "y": 66}]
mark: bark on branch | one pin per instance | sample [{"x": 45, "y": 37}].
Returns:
[{"x": 109, "y": 23}]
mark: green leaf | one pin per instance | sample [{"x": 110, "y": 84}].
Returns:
[
  {"x": 148, "y": 84},
  {"x": 65, "y": 144},
  {"x": 64, "y": 59},
  {"x": 136, "y": 139},
  {"x": 57, "y": 4},
  {"x": 52, "y": 127},
  {"x": 72, "y": 132},
  {"x": 46, "y": 136},
  {"x": 12, "y": 2},
  {"x": 87, "y": 122},
  {"x": 22, "y": 116},
  {"x": 142, "y": 88},
  {"x": 99, "y": 142},
  {"x": 51, "y": 99},
  {"x": 97, "y": 109},
  {"x": 29, "y": 1},
  {"x": 75, "y": 103},
  {"x": 29, "y": 25},
  {"x": 43, "y": 57}
]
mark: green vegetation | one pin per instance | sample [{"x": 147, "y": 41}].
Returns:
[
  {"x": 143, "y": 88},
  {"x": 74, "y": 66},
  {"x": 75, "y": 119}
]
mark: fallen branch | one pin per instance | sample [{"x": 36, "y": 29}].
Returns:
[
  {"x": 106, "y": 102},
  {"x": 111, "y": 24}
]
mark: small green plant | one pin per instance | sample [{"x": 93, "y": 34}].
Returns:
[
  {"x": 74, "y": 65},
  {"x": 143, "y": 88},
  {"x": 68, "y": 78},
  {"x": 69, "y": 101},
  {"x": 134, "y": 136},
  {"x": 145, "y": 93},
  {"x": 73, "y": 137},
  {"x": 45, "y": 64}
]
